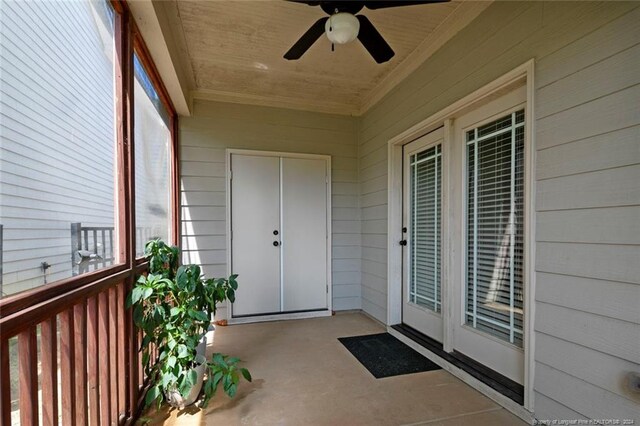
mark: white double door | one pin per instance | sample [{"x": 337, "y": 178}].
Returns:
[
  {"x": 463, "y": 254},
  {"x": 279, "y": 222}
]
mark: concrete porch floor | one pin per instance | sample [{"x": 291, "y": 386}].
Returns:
[{"x": 302, "y": 375}]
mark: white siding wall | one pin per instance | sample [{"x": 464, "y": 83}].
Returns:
[
  {"x": 587, "y": 131},
  {"x": 213, "y": 127},
  {"x": 56, "y": 134}
]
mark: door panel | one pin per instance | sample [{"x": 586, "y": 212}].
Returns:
[
  {"x": 304, "y": 234},
  {"x": 255, "y": 214},
  {"x": 422, "y": 307},
  {"x": 489, "y": 317}
]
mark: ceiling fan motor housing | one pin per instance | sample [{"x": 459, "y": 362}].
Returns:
[{"x": 342, "y": 28}]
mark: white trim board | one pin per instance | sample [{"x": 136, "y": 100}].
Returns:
[
  {"x": 228, "y": 178},
  {"x": 522, "y": 75},
  {"x": 280, "y": 317},
  {"x": 485, "y": 389}
]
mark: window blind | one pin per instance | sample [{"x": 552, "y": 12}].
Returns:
[
  {"x": 425, "y": 238},
  {"x": 495, "y": 231}
]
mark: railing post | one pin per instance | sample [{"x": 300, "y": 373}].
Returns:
[{"x": 76, "y": 242}]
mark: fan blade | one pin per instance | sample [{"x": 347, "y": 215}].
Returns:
[
  {"x": 373, "y": 41},
  {"x": 373, "y": 4},
  {"x": 307, "y": 39}
]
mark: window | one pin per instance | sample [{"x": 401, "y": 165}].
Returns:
[
  {"x": 425, "y": 196},
  {"x": 494, "y": 220},
  {"x": 57, "y": 141},
  {"x": 152, "y": 124}
]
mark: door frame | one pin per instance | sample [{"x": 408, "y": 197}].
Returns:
[
  {"x": 228, "y": 177},
  {"x": 520, "y": 76}
]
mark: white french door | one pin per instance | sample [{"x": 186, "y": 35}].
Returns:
[
  {"x": 279, "y": 233},
  {"x": 422, "y": 236},
  {"x": 488, "y": 314},
  {"x": 463, "y": 213}
]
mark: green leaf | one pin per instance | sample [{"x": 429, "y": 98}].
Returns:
[
  {"x": 129, "y": 302},
  {"x": 193, "y": 377},
  {"x": 171, "y": 343},
  {"x": 148, "y": 291},
  {"x": 183, "y": 352},
  {"x": 158, "y": 313},
  {"x": 219, "y": 359},
  {"x": 200, "y": 316},
  {"x": 231, "y": 390},
  {"x": 246, "y": 374},
  {"x": 171, "y": 361},
  {"x": 175, "y": 311},
  {"x": 145, "y": 358},
  {"x": 216, "y": 379},
  {"x": 152, "y": 394},
  {"x": 145, "y": 341},
  {"x": 136, "y": 294},
  {"x": 138, "y": 315}
]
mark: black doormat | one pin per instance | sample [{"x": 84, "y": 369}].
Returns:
[{"x": 385, "y": 356}]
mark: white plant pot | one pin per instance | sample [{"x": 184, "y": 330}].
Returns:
[
  {"x": 174, "y": 398},
  {"x": 201, "y": 349}
]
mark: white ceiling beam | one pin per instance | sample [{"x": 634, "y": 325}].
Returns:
[{"x": 150, "y": 17}]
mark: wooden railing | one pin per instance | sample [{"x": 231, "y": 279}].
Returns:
[
  {"x": 93, "y": 247},
  {"x": 73, "y": 348}
]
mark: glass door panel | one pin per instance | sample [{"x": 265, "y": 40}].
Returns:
[
  {"x": 495, "y": 216},
  {"x": 422, "y": 254}
]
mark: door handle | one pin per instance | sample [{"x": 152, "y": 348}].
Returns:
[
  {"x": 403, "y": 242},
  {"x": 276, "y": 244}
]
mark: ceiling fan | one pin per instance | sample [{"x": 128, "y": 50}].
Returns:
[{"x": 343, "y": 26}]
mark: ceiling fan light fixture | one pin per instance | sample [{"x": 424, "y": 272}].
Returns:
[{"x": 342, "y": 28}]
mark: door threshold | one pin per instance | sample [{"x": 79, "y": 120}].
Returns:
[
  {"x": 499, "y": 388},
  {"x": 279, "y": 316}
]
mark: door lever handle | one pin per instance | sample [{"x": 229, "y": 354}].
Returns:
[{"x": 403, "y": 242}]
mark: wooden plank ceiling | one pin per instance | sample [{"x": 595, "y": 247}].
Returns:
[{"x": 234, "y": 50}]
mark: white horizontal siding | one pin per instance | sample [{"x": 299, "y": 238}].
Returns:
[
  {"x": 56, "y": 136},
  {"x": 586, "y": 399},
  {"x": 217, "y": 126},
  {"x": 587, "y": 135}
]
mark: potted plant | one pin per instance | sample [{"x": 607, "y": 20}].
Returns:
[{"x": 173, "y": 306}]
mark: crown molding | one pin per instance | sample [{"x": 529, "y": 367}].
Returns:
[
  {"x": 462, "y": 16},
  {"x": 274, "y": 101}
]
